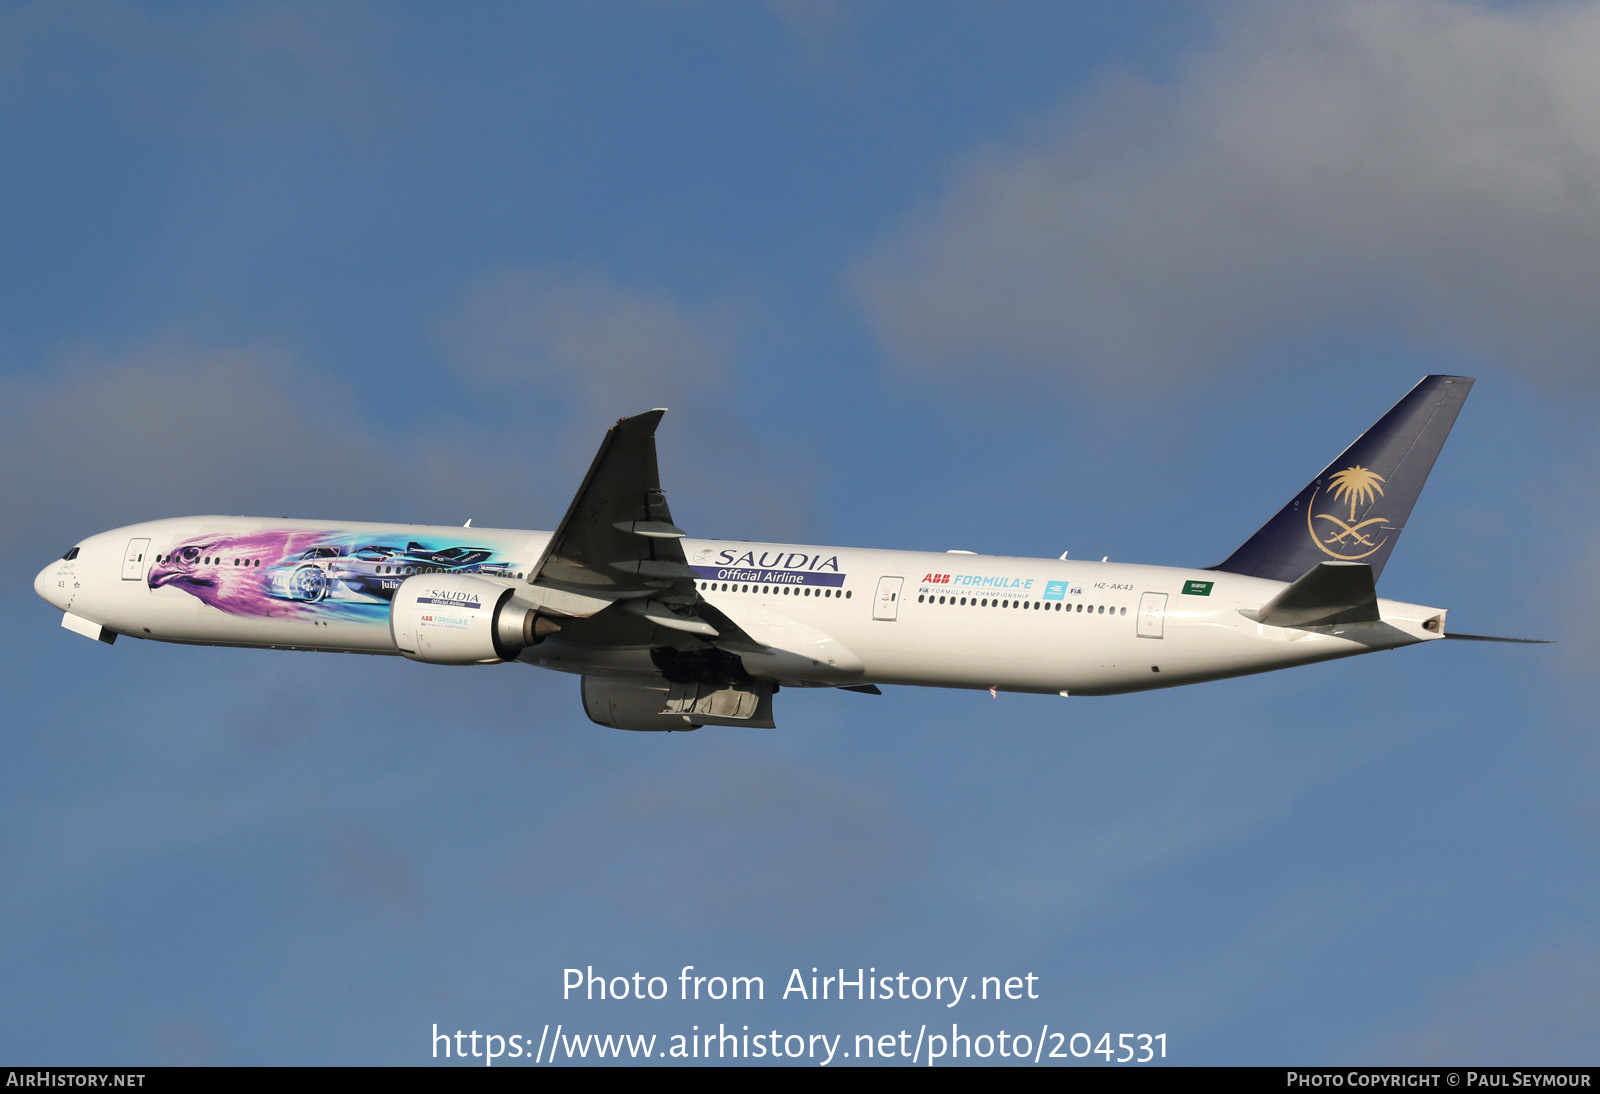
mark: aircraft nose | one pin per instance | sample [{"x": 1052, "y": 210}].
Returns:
[{"x": 48, "y": 586}]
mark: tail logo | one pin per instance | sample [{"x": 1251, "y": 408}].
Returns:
[{"x": 1344, "y": 537}]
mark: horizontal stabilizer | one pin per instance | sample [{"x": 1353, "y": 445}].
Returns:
[
  {"x": 1329, "y": 592},
  {"x": 1496, "y": 638}
]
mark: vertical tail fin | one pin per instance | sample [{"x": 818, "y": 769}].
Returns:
[{"x": 1356, "y": 509}]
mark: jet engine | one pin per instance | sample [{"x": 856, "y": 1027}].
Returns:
[
  {"x": 622, "y": 703},
  {"x": 461, "y": 619}
]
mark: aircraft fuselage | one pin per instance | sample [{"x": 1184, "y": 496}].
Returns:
[
  {"x": 852, "y": 616},
  {"x": 672, "y": 633}
]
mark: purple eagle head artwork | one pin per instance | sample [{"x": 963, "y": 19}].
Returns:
[
  {"x": 279, "y": 573},
  {"x": 286, "y": 573}
]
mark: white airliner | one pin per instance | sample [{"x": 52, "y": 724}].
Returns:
[{"x": 672, "y": 633}]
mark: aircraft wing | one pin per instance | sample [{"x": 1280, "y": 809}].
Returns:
[
  {"x": 617, "y": 542},
  {"x": 617, "y": 545}
]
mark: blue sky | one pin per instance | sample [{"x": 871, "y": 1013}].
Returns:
[{"x": 1024, "y": 278}]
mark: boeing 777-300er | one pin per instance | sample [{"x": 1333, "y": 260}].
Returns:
[{"x": 672, "y": 633}]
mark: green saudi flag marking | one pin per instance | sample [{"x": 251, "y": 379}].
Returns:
[{"x": 1197, "y": 588}]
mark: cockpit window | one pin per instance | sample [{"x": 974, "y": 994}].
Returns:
[{"x": 70, "y": 555}]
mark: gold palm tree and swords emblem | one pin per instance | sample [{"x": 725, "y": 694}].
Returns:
[{"x": 1346, "y": 538}]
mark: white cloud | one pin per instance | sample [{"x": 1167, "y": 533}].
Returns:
[
  {"x": 175, "y": 428},
  {"x": 1425, "y": 167},
  {"x": 585, "y": 338},
  {"x": 569, "y": 352}
]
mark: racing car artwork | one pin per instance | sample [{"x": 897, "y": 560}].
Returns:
[
  {"x": 328, "y": 572},
  {"x": 284, "y": 572}
]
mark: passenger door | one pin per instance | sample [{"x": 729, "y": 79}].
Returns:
[
  {"x": 1152, "y": 614},
  {"x": 133, "y": 559},
  {"x": 887, "y": 604}
]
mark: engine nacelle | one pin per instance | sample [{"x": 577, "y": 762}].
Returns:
[
  {"x": 623, "y": 703},
  {"x": 461, "y": 619}
]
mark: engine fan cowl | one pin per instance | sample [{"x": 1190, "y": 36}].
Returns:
[{"x": 461, "y": 619}]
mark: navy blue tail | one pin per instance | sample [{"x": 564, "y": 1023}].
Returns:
[{"x": 1356, "y": 509}]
